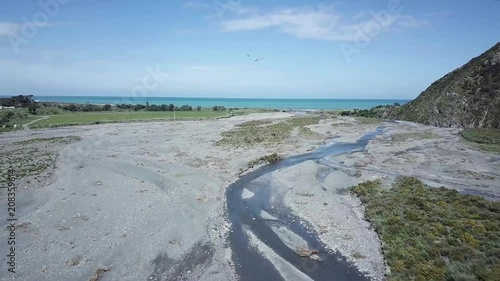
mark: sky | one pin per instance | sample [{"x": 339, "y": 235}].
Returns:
[{"x": 377, "y": 49}]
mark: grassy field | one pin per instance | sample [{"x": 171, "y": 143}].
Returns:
[
  {"x": 434, "y": 234},
  {"x": 101, "y": 117},
  {"x": 18, "y": 122},
  {"x": 486, "y": 139},
  {"x": 59, "y": 117}
]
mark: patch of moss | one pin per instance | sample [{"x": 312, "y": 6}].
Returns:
[
  {"x": 254, "y": 123},
  {"x": 434, "y": 234},
  {"x": 252, "y": 134}
]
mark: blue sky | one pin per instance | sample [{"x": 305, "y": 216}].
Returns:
[{"x": 319, "y": 49}]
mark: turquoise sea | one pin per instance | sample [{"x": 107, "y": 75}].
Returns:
[{"x": 230, "y": 102}]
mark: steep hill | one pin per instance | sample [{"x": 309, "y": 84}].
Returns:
[{"x": 468, "y": 97}]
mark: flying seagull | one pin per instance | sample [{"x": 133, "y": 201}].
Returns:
[{"x": 255, "y": 59}]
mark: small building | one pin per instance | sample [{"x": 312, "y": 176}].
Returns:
[{"x": 7, "y": 107}]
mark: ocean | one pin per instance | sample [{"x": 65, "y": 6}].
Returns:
[{"x": 229, "y": 102}]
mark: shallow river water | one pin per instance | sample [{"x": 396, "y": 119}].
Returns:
[{"x": 254, "y": 216}]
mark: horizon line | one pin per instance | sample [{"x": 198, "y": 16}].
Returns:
[{"x": 235, "y": 98}]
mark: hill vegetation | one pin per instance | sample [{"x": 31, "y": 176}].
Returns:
[{"x": 468, "y": 97}]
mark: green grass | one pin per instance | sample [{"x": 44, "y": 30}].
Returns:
[
  {"x": 434, "y": 234},
  {"x": 100, "y": 117},
  {"x": 59, "y": 117},
  {"x": 485, "y": 139},
  {"x": 256, "y": 133},
  {"x": 51, "y": 111}
]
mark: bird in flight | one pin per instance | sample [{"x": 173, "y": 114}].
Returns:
[{"x": 255, "y": 59}]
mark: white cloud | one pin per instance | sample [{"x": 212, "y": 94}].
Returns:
[
  {"x": 323, "y": 22},
  {"x": 8, "y": 28}
]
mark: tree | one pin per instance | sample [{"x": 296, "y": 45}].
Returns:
[
  {"x": 138, "y": 107},
  {"x": 186, "y": 108},
  {"x": 18, "y": 101},
  {"x": 219, "y": 108},
  {"x": 5, "y": 117},
  {"x": 32, "y": 108},
  {"x": 107, "y": 107}
]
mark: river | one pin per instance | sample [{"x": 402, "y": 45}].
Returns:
[{"x": 249, "y": 198}]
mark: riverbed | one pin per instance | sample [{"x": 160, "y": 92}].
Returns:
[{"x": 153, "y": 200}]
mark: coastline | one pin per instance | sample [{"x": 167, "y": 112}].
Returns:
[{"x": 294, "y": 104}]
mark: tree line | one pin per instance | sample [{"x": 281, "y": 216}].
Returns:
[
  {"x": 128, "y": 107},
  {"x": 134, "y": 107},
  {"x": 374, "y": 112}
]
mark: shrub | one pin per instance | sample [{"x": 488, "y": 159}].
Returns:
[
  {"x": 219, "y": 108},
  {"x": 271, "y": 158},
  {"x": 433, "y": 234}
]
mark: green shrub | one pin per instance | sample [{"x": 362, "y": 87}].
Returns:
[
  {"x": 271, "y": 158},
  {"x": 433, "y": 234}
]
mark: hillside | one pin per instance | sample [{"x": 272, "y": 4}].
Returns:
[{"x": 468, "y": 97}]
